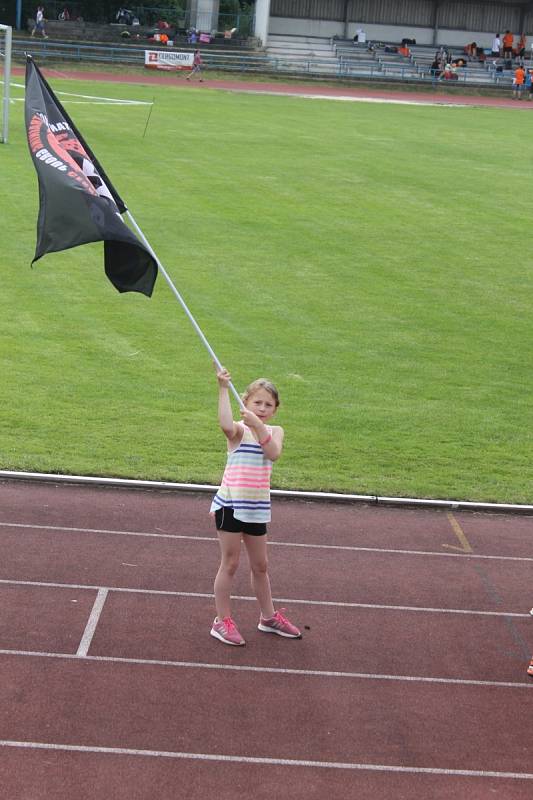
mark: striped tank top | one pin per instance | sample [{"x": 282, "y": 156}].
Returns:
[{"x": 245, "y": 486}]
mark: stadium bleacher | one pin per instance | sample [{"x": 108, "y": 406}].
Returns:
[
  {"x": 319, "y": 56},
  {"x": 358, "y": 60}
]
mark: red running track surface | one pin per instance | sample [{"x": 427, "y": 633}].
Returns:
[
  {"x": 410, "y": 679},
  {"x": 315, "y": 89}
]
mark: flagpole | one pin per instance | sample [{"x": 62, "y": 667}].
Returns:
[{"x": 183, "y": 305}]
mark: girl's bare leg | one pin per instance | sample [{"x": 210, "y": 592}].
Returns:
[
  {"x": 256, "y": 547},
  {"x": 230, "y": 548}
]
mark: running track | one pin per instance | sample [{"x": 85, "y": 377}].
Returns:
[
  {"x": 315, "y": 90},
  {"x": 410, "y": 680}
]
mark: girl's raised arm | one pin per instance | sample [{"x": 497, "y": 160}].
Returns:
[{"x": 225, "y": 415}]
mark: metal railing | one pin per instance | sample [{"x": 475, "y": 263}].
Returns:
[{"x": 233, "y": 61}]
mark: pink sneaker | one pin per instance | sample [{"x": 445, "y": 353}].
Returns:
[
  {"x": 280, "y": 625},
  {"x": 226, "y": 630}
]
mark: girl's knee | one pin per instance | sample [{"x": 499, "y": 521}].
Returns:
[
  {"x": 229, "y": 564},
  {"x": 259, "y": 567}
]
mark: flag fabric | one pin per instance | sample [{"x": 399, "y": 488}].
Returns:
[{"x": 77, "y": 201}]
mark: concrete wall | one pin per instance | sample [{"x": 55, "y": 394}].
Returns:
[{"x": 382, "y": 33}]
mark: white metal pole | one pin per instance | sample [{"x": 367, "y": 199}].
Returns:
[
  {"x": 184, "y": 306},
  {"x": 7, "y": 82}
]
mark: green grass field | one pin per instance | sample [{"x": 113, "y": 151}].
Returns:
[{"x": 373, "y": 260}]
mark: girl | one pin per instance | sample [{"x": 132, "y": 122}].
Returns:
[
  {"x": 196, "y": 66},
  {"x": 242, "y": 505}
]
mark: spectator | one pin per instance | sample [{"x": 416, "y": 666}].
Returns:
[
  {"x": 520, "y": 51},
  {"x": 518, "y": 82},
  {"x": 450, "y": 73},
  {"x": 436, "y": 67},
  {"x": 508, "y": 45},
  {"x": 444, "y": 55},
  {"x": 39, "y": 23},
  {"x": 65, "y": 15},
  {"x": 404, "y": 51},
  {"x": 124, "y": 16},
  {"x": 360, "y": 36},
  {"x": 470, "y": 50},
  {"x": 528, "y": 85},
  {"x": 496, "y": 45}
]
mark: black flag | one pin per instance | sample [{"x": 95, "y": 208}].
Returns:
[{"x": 77, "y": 202}]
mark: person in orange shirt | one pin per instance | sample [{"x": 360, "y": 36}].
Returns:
[
  {"x": 521, "y": 47},
  {"x": 404, "y": 51},
  {"x": 518, "y": 82},
  {"x": 508, "y": 44}
]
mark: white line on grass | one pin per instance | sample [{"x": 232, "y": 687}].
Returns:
[
  {"x": 306, "y": 545},
  {"x": 244, "y": 598},
  {"x": 92, "y": 98},
  {"x": 314, "y": 673},
  {"x": 352, "y": 99},
  {"x": 282, "y": 762},
  {"x": 92, "y": 622}
]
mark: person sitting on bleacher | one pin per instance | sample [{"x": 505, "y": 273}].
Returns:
[
  {"x": 520, "y": 50},
  {"x": 470, "y": 50},
  {"x": 436, "y": 67},
  {"x": 404, "y": 51},
  {"x": 449, "y": 73}
]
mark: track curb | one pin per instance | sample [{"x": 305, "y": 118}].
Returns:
[{"x": 131, "y": 483}]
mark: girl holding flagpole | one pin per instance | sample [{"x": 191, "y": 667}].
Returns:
[{"x": 242, "y": 505}]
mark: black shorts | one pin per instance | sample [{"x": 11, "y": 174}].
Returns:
[{"x": 225, "y": 521}]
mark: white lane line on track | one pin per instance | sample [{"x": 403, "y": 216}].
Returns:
[
  {"x": 92, "y": 622},
  {"x": 283, "y": 762},
  {"x": 313, "y": 673},
  {"x": 288, "y": 600},
  {"x": 306, "y": 545}
]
